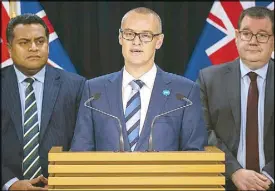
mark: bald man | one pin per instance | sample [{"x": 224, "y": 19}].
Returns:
[{"x": 138, "y": 93}]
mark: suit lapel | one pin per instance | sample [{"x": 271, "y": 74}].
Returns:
[
  {"x": 232, "y": 79},
  {"x": 269, "y": 96},
  {"x": 157, "y": 101},
  {"x": 50, "y": 92},
  {"x": 114, "y": 96},
  {"x": 12, "y": 99}
]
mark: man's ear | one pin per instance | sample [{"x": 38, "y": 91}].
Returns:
[
  {"x": 120, "y": 39},
  {"x": 159, "y": 41},
  {"x": 236, "y": 35},
  {"x": 9, "y": 48}
]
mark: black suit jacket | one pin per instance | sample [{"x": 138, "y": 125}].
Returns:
[
  {"x": 61, "y": 97},
  {"x": 221, "y": 98}
]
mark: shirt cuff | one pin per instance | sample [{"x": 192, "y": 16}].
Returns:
[
  {"x": 268, "y": 176},
  {"x": 9, "y": 183}
]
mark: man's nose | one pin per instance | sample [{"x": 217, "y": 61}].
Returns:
[
  {"x": 137, "y": 40},
  {"x": 33, "y": 47},
  {"x": 254, "y": 40}
]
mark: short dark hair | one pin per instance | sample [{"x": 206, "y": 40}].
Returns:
[
  {"x": 259, "y": 13},
  {"x": 24, "y": 19}
]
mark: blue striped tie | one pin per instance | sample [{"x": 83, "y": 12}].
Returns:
[
  {"x": 132, "y": 113},
  {"x": 31, "y": 163}
]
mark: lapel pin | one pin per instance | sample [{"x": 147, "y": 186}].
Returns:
[{"x": 166, "y": 92}]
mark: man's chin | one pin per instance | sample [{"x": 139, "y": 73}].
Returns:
[
  {"x": 136, "y": 63},
  {"x": 253, "y": 57}
]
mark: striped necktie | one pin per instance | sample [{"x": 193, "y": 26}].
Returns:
[
  {"x": 31, "y": 163},
  {"x": 132, "y": 113}
]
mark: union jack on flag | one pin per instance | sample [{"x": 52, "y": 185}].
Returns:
[
  {"x": 57, "y": 55},
  {"x": 217, "y": 42}
]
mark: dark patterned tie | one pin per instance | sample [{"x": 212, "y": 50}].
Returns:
[
  {"x": 31, "y": 163},
  {"x": 132, "y": 113},
  {"x": 252, "y": 148}
]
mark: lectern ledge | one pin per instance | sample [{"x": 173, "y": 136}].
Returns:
[{"x": 169, "y": 170}]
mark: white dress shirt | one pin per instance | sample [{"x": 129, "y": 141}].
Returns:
[{"x": 145, "y": 92}]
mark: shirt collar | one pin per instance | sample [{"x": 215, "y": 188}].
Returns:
[
  {"x": 261, "y": 71},
  {"x": 148, "y": 78},
  {"x": 39, "y": 76}
]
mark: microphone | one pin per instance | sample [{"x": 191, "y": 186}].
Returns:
[
  {"x": 179, "y": 97},
  {"x": 96, "y": 96}
]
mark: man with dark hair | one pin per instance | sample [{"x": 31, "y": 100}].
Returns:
[
  {"x": 238, "y": 102},
  {"x": 39, "y": 105},
  {"x": 138, "y": 93}
]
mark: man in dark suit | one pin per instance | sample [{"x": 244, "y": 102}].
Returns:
[
  {"x": 39, "y": 105},
  {"x": 138, "y": 93},
  {"x": 238, "y": 101}
]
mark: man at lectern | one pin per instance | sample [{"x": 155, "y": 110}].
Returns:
[
  {"x": 238, "y": 99},
  {"x": 117, "y": 110}
]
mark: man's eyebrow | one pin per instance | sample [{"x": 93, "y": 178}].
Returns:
[
  {"x": 22, "y": 39},
  {"x": 147, "y": 31},
  {"x": 261, "y": 30},
  {"x": 144, "y": 31},
  {"x": 27, "y": 39},
  {"x": 128, "y": 29}
]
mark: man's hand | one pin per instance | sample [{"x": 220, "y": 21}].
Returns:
[
  {"x": 268, "y": 181},
  {"x": 28, "y": 184},
  {"x": 249, "y": 180},
  {"x": 43, "y": 179}
]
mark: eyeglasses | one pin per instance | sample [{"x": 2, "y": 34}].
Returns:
[
  {"x": 143, "y": 36},
  {"x": 261, "y": 37}
]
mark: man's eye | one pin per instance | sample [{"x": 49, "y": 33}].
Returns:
[
  {"x": 246, "y": 33},
  {"x": 262, "y": 35},
  {"x": 146, "y": 35},
  {"x": 128, "y": 33},
  {"x": 40, "y": 41},
  {"x": 23, "y": 42}
]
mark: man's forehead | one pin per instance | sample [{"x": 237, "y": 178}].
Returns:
[
  {"x": 28, "y": 27},
  {"x": 28, "y": 30},
  {"x": 135, "y": 20},
  {"x": 139, "y": 16},
  {"x": 265, "y": 21}
]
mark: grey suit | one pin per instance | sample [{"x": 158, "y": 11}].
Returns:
[
  {"x": 61, "y": 97},
  {"x": 221, "y": 98}
]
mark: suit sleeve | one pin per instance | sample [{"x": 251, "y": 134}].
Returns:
[
  {"x": 231, "y": 163},
  {"x": 7, "y": 175},
  {"x": 79, "y": 95},
  {"x": 269, "y": 168},
  {"x": 194, "y": 134},
  {"x": 83, "y": 139}
]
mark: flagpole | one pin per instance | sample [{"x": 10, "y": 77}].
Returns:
[{"x": 12, "y": 8}]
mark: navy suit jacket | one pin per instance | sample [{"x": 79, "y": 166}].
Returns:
[
  {"x": 61, "y": 97},
  {"x": 181, "y": 130}
]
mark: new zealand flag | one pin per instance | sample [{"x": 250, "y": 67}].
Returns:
[{"x": 217, "y": 42}]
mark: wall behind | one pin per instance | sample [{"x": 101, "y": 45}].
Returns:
[{"x": 89, "y": 32}]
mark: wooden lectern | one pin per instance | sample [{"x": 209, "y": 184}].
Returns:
[{"x": 169, "y": 170}]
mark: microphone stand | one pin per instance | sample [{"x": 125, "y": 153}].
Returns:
[
  {"x": 180, "y": 97},
  {"x": 121, "y": 141}
]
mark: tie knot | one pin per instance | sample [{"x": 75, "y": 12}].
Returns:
[
  {"x": 29, "y": 80},
  {"x": 137, "y": 84},
  {"x": 252, "y": 76}
]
